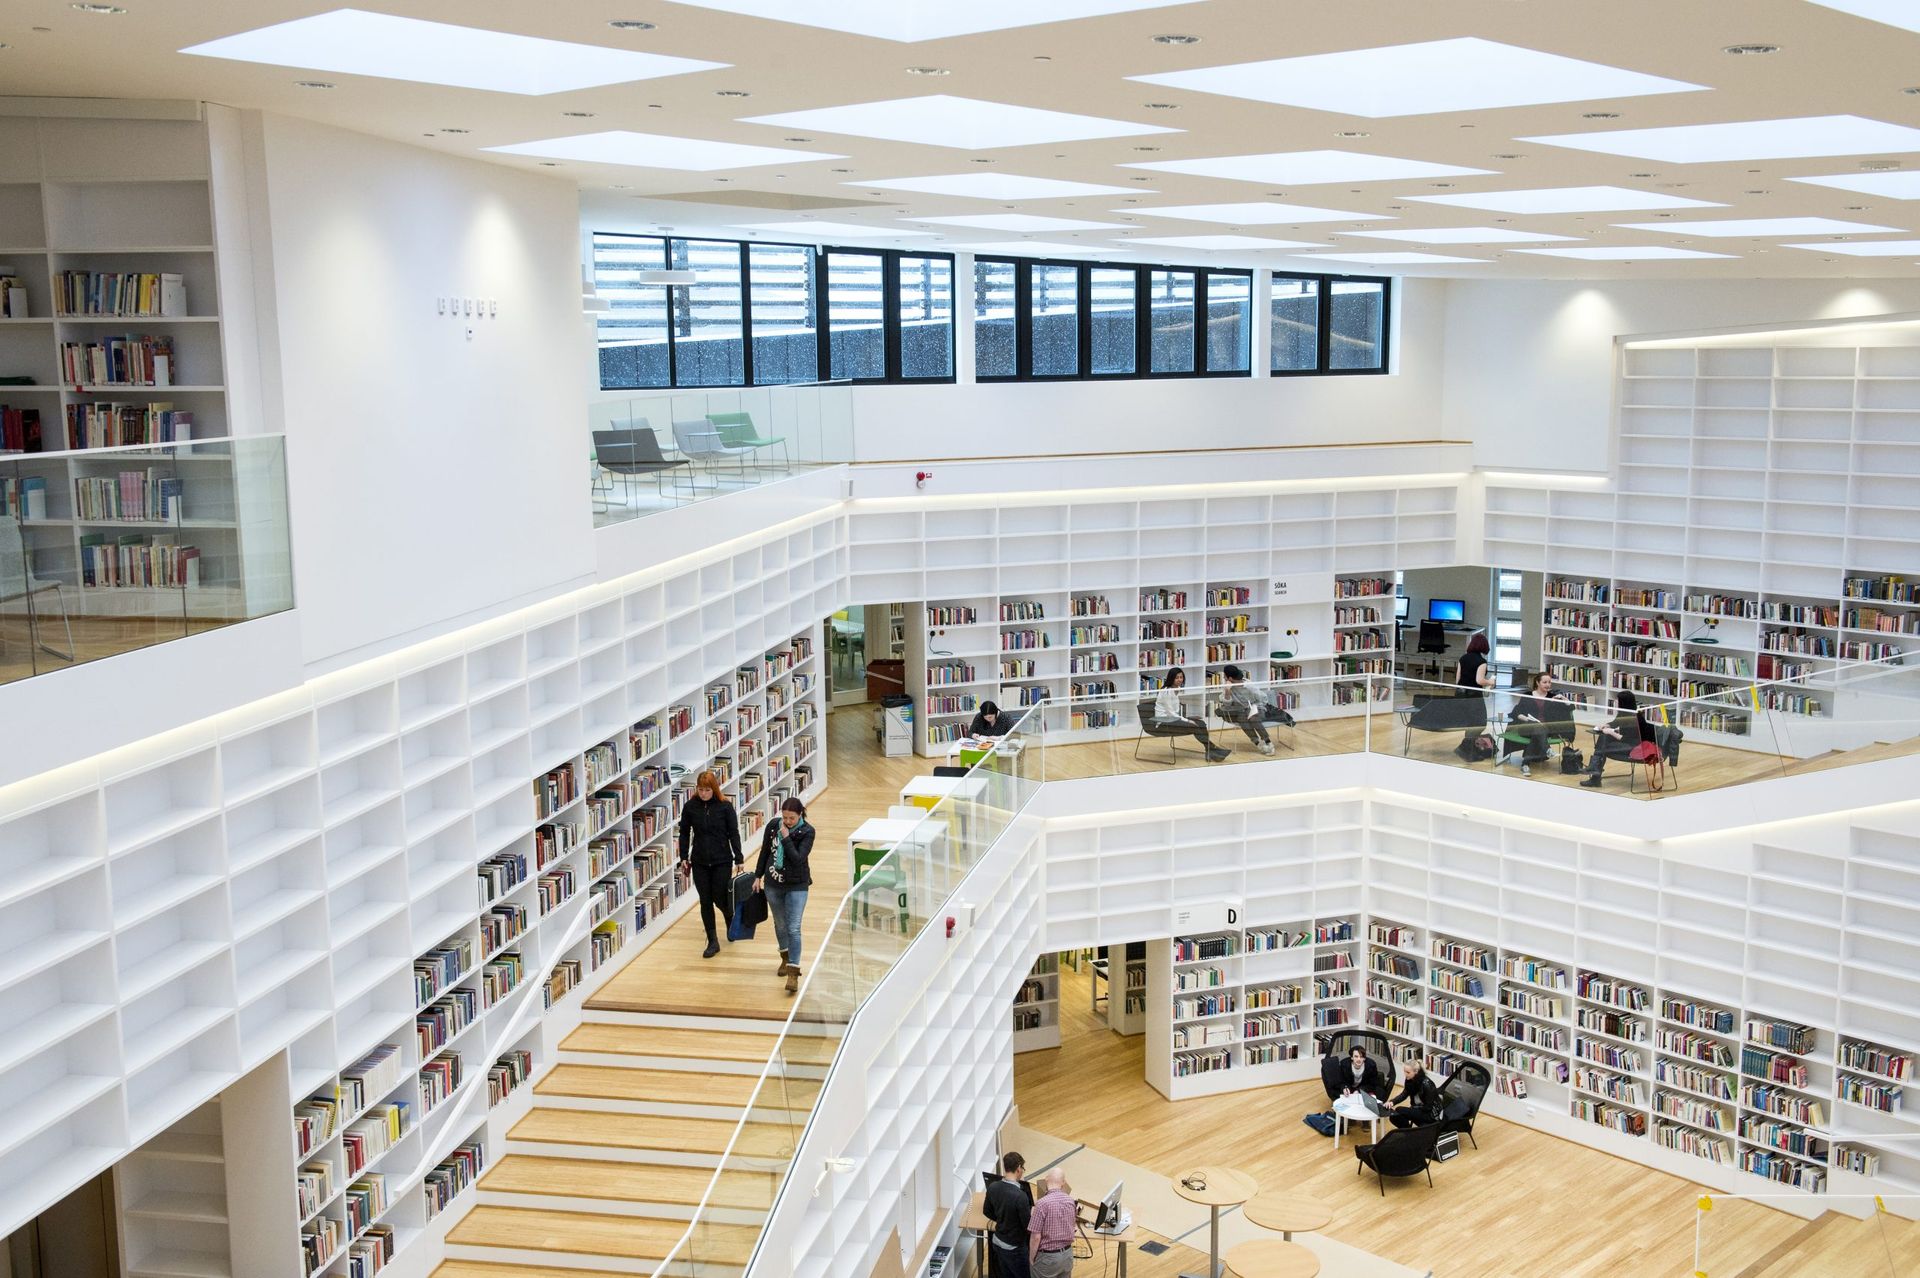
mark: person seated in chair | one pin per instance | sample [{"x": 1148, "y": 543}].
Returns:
[
  {"x": 1354, "y": 1072},
  {"x": 1419, "y": 1100},
  {"x": 1629, "y": 736},
  {"x": 990, "y": 721},
  {"x": 1541, "y": 717},
  {"x": 1169, "y": 711},
  {"x": 1242, "y": 706}
]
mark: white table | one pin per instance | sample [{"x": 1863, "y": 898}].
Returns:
[
  {"x": 1359, "y": 1115},
  {"x": 1007, "y": 746},
  {"x": 887, "y": 831},
  {"x": 939, "y": 788}
]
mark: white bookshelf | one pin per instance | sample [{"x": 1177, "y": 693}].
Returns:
[
  {"x": 257, "y": 887},
  {"x": 1036, "y": 1007},
  {"x": 1127, "y": 990}
]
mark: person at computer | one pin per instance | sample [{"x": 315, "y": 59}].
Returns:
[
  {"x": 1419, "y": 1100},
  {"x": 1354, "y": 1072},
  {"x": 990, "y": 721},
  {"x": 1242, "y": 706},
  {"x": 1474, "y": 677},
  {"x": 1008, "y": 1205},
  {"x": 1050, "y": 1229},
  {"x": 1538, "y": 718},
  {"x": 1629, "y": 736},
  {"x": 1169, "y": 711}
]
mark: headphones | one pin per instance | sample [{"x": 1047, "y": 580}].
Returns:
[{"x": 1195, "y": 1181}]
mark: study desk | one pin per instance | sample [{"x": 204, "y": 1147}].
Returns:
[
  {"x": 877, "y": 832},
  {"x": 1287, "y": 1214},
  {"x": 1224, "y": 1187},
  {"x": 974, "y": 1221},
  {"x": 1272, "y": 1258},
  {"x": 927, "y": 791}
]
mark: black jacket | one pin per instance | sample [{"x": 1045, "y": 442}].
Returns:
[
  {"x": 798, "y": 873},
  {"x": 714, "y": 829},
  {"x": 1009, "y": 1207},
  {"x": 1422, "y": 1095},
  {"x": 1002, "y": 724}
]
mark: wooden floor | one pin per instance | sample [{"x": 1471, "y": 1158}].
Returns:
[
  {"x": 93, "y": 638},
  {"x": 1523, "y": 1203}
]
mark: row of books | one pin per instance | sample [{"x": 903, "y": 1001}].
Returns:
[
  {"x": 111, "y": 424},
  {"x": 381, "y": 1129},
  {"x": 132, "y": 496},
  {"x": 501, "y": 924},
  {"x": 133, "y": 360},
  {"x": 448, "y": 1180},
  {"x": 20, "y": 432},
  {"x": 123, "y": 293},
  {"x": 1525, "y": 1000}
]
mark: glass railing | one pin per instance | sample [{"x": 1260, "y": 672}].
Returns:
[
  {"x": 651, "y": 451},
  {"x": 1861, "y": 1233},
  {"x": 903, "y": 877},
  {"x": 105, "y": 550}
]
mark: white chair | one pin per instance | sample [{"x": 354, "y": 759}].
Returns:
[
  {"x": 17, "y": 583},
  {"x": 699, "y": 441}
]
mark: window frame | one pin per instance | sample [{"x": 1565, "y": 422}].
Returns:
[
  {"x": 1323, "y": 337},
  {"x": 890, "y": 312},
  {"x": 1142, "y": 320}
]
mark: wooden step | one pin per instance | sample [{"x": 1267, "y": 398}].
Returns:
[
  {"x": 586, "y": 1127},
  {"x": 695, "y": 1044},
  {"x": 682, "y": 1087},
  {"x": 628, "y": 1182},
  {"x": 579, "y": 1233}
]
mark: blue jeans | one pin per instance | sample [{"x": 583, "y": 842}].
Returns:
[{"x": 786, "y": 905}]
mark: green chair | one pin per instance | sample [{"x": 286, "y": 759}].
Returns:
[
  {"x": 737, "y": 431},
  {"x": 869, "y": 876}
]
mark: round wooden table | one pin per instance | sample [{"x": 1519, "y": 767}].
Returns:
[
  {"x": 1272, "y": 1258},
  {"x": 1287, "y": 1214},
  {"x": 1225, "y": 1187}
]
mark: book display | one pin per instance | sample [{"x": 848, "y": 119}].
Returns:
[{"x": 1036, "y": 1006}]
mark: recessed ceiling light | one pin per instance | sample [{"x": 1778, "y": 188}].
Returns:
[
  {"x": 1139, "y": 179},
  {"x": 1746, "y": 50},
  {"x": 1463, "y": 235},
  {"x": 311, "y": 84},
  {"x": 1747, "y": 140},
  {"x": 1753, "y": 226},
  {"x": 1176, "y": 39},
  {"x": 928, "y": 71},
  {"x": 1161, "y": 106},
  {"x": 630, "y": 24},
  {"x": 1146, "y": 148},
  {"x": 1352, "y": 133},
  {"x": 1393, "y": 259},
  {"x": 97, "y": 8},
  {"x": 456, "y": 130},
  {"x": 1912, "y": 89},
  {"x": 551, "y": 164},
  {"x": 1224, "y": 243},
  {"x": 1600, "y": 115},
  {"x": 965, "y": 123},
  {"x": 388, "y": 47},
  {"x": 1462, "y": 74},
  {"x": 796, "y": 139},
  {"x": 1567, "y": 199},
  {"x": 578, "y": 115},
  {"x": 1444, "y": 186},
  {"x": 911, "y": 23},
  {"x": 1878, "y": 166},
  {"x": 618, "y": 187},
  {"x": 1305, "y": 168},
  {"x": 1041, "y": 57},
  {"x": 1016, "y": 222},
  {"x": 839, "y": 170},
  {"x": 731, "y": 93},
  {"x": 656, "y": 151},
  {"x": 1866, "y": 248},
  {"x": 1257, "y": 213},
  {"x": 1613, "y": 253},
  {"x": 851, "y": 230},
  {"x": 981, "y": 161}
]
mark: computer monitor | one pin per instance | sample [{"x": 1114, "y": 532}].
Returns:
[
  {"x": 1446, "y": 610},
  {"x": 1402, "y": 608},
  {"x": 1111, "y": 1217}
]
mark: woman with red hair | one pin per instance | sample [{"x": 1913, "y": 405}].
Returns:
[{"x": 710, "y": 825}]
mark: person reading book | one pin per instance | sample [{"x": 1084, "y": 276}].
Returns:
[
  {"x": 1539, "y": 718},
  {"x": 1170, "y": 711}
]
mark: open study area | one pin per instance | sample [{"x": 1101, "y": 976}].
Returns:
[{"x": 715, "y": 639}]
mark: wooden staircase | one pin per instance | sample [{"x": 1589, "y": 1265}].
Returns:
[{"x": 627, "y": 1128}]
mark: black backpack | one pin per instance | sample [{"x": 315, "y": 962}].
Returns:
[{"x": 1571, "y": 760}]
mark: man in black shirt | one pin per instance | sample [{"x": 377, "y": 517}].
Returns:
[{"x": 1009, "y": 1205}]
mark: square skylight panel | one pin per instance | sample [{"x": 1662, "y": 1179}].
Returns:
[
  {"x": 1464, "y": 235},
  {"x": 657, "y": 151},
  {"x": 1222, "y": 243},
  {"x": 845, "y": 230},
  {"x": 1464, "y": 74},
  {"x": 1611, "y": 253},
  {"x": 910, "y": 21},
  {"x": 1866, "y": 248},
  {"x": 1256, "y": 213},
  {"x": 1903, "y": 185},
  {"x": 998, "y": 186},
  {"x": 389, "y": 47},
  {"x": 1305, "y": 168},
  {"x": 1567, "y": 199},
  {"x": 1895, "y": 13},
  {"x": 1018, "y": 222},
  {"x": 1732, "y": 228},
  {"x": 1394, "y": 259},
  {"x": 1036, "y": 248},
  {"x": 969, "y": 124},
  {"x": 1746, "y": 140}
]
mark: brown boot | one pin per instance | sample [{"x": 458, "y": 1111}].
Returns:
[
  {"x": 793, "y": 979},
  {"x": 784, "y": 965}
]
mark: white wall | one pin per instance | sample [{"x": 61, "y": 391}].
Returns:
[
  {"x": 426, "y": 484},
  {"x": 1016, "y": 419},
  {"x": 1529, "y": 363}
]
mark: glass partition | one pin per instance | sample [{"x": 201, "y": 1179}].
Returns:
[
  {"x": 655, "y": 450},
  {"x": 106, "y": 550}
]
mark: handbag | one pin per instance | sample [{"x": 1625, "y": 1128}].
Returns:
[{"x": 1571, "y": 761}]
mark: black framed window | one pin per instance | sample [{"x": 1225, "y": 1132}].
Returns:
[
  {"x": 770, "y": 314},
  {"x": 1331, "y": 324},
  {"x": 1043, "y": 321}
]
